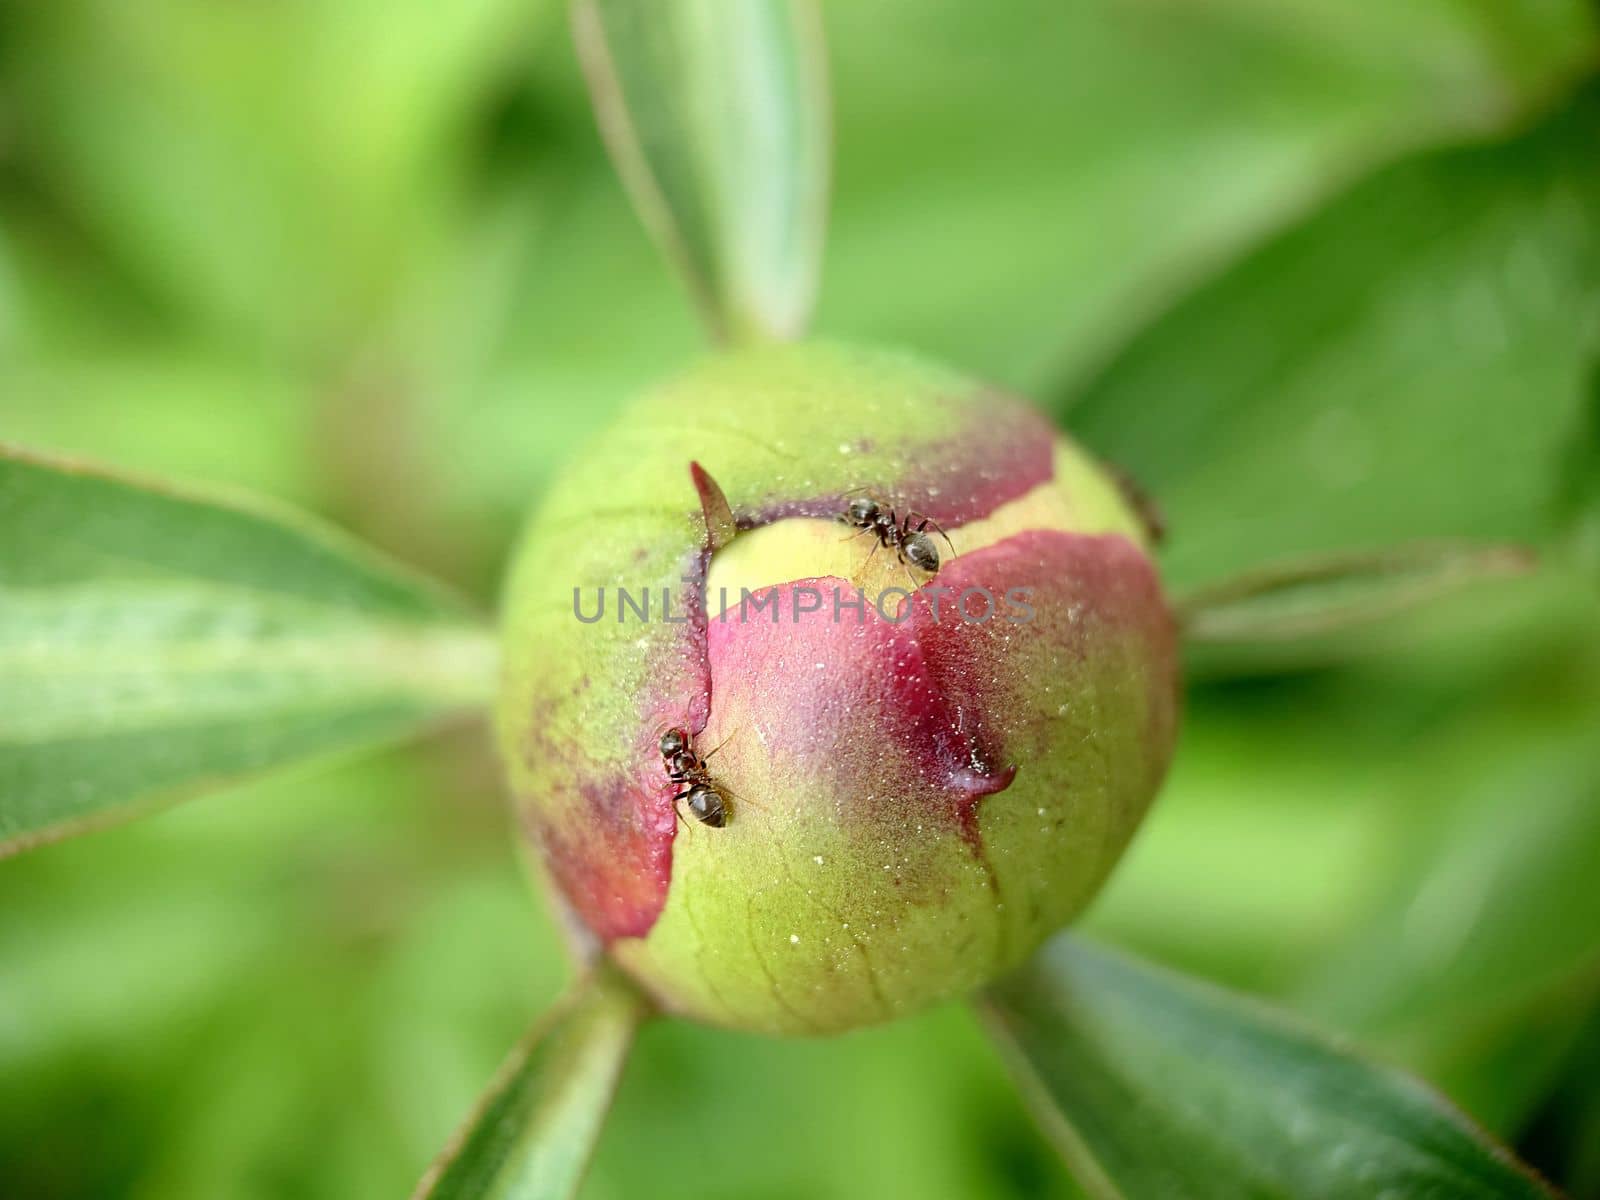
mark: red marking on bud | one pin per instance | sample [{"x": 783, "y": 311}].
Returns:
[
  {"x": 994, "y": 461},
  {"x": 614, "y": 861},
  {"x": 912, "y": 716}
]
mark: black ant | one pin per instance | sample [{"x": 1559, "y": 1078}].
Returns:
[
  {"x": 1142, "y": 502},
  {"x": 911, "y": 543},
  {"x": 688, "y": 769}
]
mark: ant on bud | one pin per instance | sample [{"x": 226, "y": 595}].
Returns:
[
  {"x": 907, "y": 536},
  {"x": 701, "y": 794}
]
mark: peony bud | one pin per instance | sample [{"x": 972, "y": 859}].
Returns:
[{"x": 917, "y": 786}]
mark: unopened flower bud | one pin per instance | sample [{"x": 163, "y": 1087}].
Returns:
[{"x": 836, "y": 682}]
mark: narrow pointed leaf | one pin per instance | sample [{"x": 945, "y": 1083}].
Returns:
[
  {"x": 1157, "y": 1087},
  {"x": 716, "y": 114},
  {"x": 1325, "y": 594},
  {"x": 532, "y": 1133},
  {"x": 156, "y": 643}
]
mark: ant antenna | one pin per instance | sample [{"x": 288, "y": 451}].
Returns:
[{"x": 706, "y": 756}]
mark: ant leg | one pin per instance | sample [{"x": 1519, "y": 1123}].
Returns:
[
  {"x": 939, "y": 529},
  {"x": 678, "y": 812},
  {"x": 733, "y": 795},
  {"x": 905, "y": 565}
]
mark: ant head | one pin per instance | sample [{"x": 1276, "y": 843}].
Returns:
[
  {"x": 674, "y": 741},
  {"x": 863, "y": 510}
]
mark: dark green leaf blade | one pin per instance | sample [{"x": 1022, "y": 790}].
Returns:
[
  {"x": 534, "y": 1130},
  {"x": 1321, "y": 594},
  {"x": 1157, "y": 1087},
  {"x": 716, "y": 115},
  {"x": 1406, "y": 364},
  {"x": 156, "y": 643}
]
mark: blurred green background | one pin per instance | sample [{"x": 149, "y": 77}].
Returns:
[{"x": 1322, "y": 274}]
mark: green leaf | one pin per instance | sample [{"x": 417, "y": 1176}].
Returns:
[
  {"x": 222, "y": 158},
  {"x": 1026, "y": 211},
  {"x": 1580, "y": 491},
  {"x": 534, "y": 1130},
  {"x": 1408, "y": 364},
  {"x": 1155, "y": 1086},
  {"x": 156, "y": 643},
  {"x": 1325, "y": 593},
  {"x": 716, "y": 114},
  {"x": 1566, "y": 1131},
  {"x": 1491, "y": 933}
]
